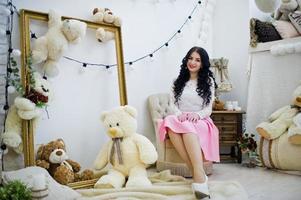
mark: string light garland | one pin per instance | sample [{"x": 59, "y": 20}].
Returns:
[{"x": 149, "y": 55}]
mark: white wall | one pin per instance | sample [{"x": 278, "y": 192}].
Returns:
[
  {"x": 146, "y": 26},
  {"x": 231, "y": 40}
]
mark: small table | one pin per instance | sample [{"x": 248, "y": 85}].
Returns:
[{"x": 229, "y": 124}]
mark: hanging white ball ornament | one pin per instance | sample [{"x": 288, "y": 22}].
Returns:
[{"x": 11, "y": 89}]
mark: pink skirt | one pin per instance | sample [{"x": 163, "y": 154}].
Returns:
[{"x": 205, "y": 129}]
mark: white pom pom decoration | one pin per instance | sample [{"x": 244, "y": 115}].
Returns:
[
  {"x": 212, "y": 2},
  {"x": 4, "y": 11},
  {"x": 297, "y": 47},
  {"x": 205, "y": 26},
  {"x": 11, "y": 89},
  {"x": 16, "y": 53},
  {"x": 2, "y": 32}
]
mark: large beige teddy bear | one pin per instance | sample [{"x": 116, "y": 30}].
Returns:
[
  {"x": 286, "y": 7},
  {"x": 284, "y": 119},
  {"x": 50, "y": 47},
  {"x": 128, "y": 152},
  {"x": 28, "y": 107}
]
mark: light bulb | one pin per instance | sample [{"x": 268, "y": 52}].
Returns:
[
  {"x": 109, "y": 70},
  {"x": 179, "y": 34},
  {"x": 151, "y": 57},
  {"x": 166, "y": 46},
  {"x": 4, "y": 149},
  {"x": 81, "y": 70},
  {"x": 130, "y": 68}
]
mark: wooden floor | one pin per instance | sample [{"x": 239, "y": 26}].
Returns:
[{"x": 260, "y": 183}]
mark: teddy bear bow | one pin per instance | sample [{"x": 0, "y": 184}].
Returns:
[{"x": 116, "y": 145}]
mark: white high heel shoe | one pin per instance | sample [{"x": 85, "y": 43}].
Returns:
[{"x": 201, "y": 190}]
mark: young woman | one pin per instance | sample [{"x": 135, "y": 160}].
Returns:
[{"x": 190, "y": 128}]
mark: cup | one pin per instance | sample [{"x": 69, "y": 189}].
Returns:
[
  {"x": 229, "y": 105},
  {"x": 39, "y": 182},
  {"x": 235, "y": 104}
]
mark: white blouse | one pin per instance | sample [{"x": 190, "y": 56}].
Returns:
[{"x": 190, "y": 101}]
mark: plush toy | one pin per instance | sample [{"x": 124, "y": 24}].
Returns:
[
  {"x": 105, "y": 15},
  {"x": 218, "y": 105},
  {"x": 286, "y": 7},
  {"x": 28, "y": 107},
  {"x": 50, "y": 47},
  {"x": 128, "y": 152},
  {"x": 103, "y": 36},
  {"x": 53, "y": 157},
  {"x": 284, "y": 119}
]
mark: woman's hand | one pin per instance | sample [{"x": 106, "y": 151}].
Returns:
[
  {"x": 193, "y": 117},
  {"x": 182, "y": 117}
]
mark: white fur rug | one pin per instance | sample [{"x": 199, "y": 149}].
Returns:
[{"x": 167, "y": 187}]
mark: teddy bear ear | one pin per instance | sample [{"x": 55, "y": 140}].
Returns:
[
  {"x": 103, "y": 116},
  {"x": 61, "y": 141},
  {"x": 40, "y": 151},
  {"x": 95, "y": 11},
  {"x": 131, "y": 110}
]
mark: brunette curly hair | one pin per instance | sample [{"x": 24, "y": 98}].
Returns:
[{"x": 203, "y": 80}]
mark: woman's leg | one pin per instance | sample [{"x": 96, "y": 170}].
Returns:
[
  {"x": 177, "y": 141},
  {"x": 192, "y": 146}
]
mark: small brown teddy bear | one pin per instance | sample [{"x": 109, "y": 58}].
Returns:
[
  {"x": 218, "y": 105},
  {"x": 53, "y": 157}
]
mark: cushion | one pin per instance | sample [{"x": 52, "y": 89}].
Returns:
[
  {"x": 285, "y": 29},
  {"x": 55, "y": 190},
  {"x": 295, "y": 19},
  {"x": 262, "y": 32}
]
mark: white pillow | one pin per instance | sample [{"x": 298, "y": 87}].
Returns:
[
  {"x": 56, "y": 190},
  {"x": 295, "y": 18},
  {"x": 285, "y": 29}
]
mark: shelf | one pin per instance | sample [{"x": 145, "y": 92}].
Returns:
[{"x": 265, "y": 46}]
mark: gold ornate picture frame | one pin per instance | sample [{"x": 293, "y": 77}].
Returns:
[{"x": 27, "y": 126}]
